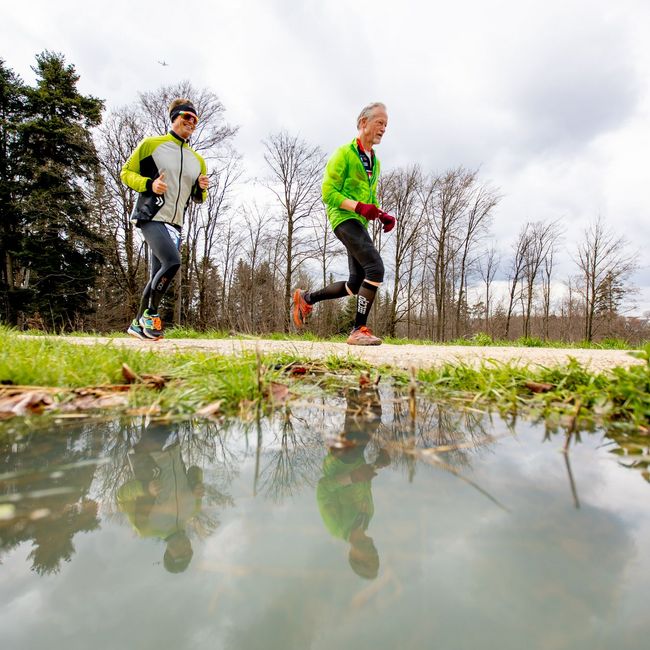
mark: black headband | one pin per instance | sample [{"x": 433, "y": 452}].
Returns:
[{"x": 173, "y": 114}]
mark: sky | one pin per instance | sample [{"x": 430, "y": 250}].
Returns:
[{"x": 549, "y": 101}]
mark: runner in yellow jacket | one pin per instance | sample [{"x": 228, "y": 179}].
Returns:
[{"x": 167, "y": 173}]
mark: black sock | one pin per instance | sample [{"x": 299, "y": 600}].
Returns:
[
  {"x": 330, "y": 292},
  {"x": 364, "y": 303}
]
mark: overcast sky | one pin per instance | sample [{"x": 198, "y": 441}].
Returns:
[{"x": 549, "y": 99}]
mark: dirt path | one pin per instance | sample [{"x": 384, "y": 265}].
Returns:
[{"x": 400, "y": 356}]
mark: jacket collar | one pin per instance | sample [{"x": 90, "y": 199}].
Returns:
[{"x": 178, "y": 137}]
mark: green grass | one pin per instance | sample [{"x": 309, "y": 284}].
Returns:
[
  {"x": 621, "y": 396},
  {"x": 189, "y": 333},
  {"x": 195, "y": 379}
]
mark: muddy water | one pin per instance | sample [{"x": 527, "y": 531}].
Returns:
[{"x": 345, "y": 523}]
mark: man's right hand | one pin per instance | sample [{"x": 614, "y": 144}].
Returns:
[
  {"x": 367, "y": 210},
  {"x": 159, "y": 186}
]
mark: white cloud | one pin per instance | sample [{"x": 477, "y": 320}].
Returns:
[{"x": 549, "y": 99}]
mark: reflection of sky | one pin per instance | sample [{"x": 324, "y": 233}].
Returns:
[{"x": 456, "y": 570}]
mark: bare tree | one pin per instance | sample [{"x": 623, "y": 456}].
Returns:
[
  {"x": 456, "y": 215},
  {"x": 296, "y": 172},
  {"x": 205, "y": 229},
  {"x": 116, "y": 139},
  {"x": 603, "y": 259},
  {"x": 488, "y": 267},
  {"x": 444, "y": 200},
  {"x": 212, "y": 131},
  {"x": 547, "y": 274},
  {"x": 231, "y": 241},
  {"x": 479, "y": 214},
  {"x": 399, "y": 195},
  {"x": 543, "y": 239},
  {"x": 516, "y": 274}
]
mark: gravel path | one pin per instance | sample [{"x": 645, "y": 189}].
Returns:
[{"x": 400, "y": 356}]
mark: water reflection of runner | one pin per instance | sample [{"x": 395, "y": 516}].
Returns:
[
  {"x": 344, "y": 492},
  {"x": 162, "y": 496}
]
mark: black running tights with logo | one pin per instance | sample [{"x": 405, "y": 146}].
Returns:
[
  {"x": 365, "y": 265},
  {"x": 165, "y": 260}
]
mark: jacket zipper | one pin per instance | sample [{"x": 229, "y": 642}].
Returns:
[{"x": 180, "y": 177}]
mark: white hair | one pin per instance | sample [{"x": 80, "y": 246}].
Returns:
[{"x": 367, "y": 111}]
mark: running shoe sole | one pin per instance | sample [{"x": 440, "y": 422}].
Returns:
[{"x": 131, "y": 331}]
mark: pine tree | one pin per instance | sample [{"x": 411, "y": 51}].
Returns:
[
  {"x": 57, "y": 165},
  {"x": 11, "y": 111}
]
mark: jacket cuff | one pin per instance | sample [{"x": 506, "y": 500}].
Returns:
[{"x": 149, "y": 185}]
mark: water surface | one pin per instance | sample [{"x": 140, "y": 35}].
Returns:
[{"x": 344, "y": 523}]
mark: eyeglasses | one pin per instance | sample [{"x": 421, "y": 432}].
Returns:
[{"x": 189, "y": 117}]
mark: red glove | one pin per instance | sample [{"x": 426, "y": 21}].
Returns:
[
  {"x": 367, "y": 210},
  {"x": 388, "y": 220}
]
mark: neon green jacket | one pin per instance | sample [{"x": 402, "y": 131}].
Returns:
[
  {"x": 343, "y": 507},
  {"x": 346, "y": 178},
  {"x": 182, "y": 167}
]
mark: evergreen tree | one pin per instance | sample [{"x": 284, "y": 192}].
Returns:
[
  {"x": 11, "y": 111},
  {"x": 57, "y": 165}
]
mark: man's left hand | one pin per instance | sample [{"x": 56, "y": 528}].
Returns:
[
  {"x": 203, "y": 181},
  {"x": 388, "y": 220}
]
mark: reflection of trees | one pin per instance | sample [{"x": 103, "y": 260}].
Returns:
[
  {"x": 458, "y": 434},
  {"x": 54, "y": 482},
  {"x": 47, "y": 479},
  {"x": 292, "y": 460}
]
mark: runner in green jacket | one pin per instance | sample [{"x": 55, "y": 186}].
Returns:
[
  {"x": 344, "y": 492},
  {"x": 350, "y": 195}
]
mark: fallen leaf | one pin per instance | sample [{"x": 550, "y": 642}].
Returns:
[
  {"x": 277, "y": 393},
  {"x": 211, "y": 409},
  {"x": 24, "y": 403},
  {"x": 537, "y": 387},
  {"x": 154, "y": 381},
  {"x": 129, "y": 376},
  {"x": 91, "y": 402}
]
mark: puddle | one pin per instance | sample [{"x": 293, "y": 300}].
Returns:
[{"x": 340, "y": 523}]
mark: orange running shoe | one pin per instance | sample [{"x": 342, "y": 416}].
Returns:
[
  {"x": 300, "y": 308},
  {"x": 363, "y": 336}
]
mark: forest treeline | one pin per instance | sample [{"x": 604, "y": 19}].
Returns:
[{"x": 70, "y": 258}]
